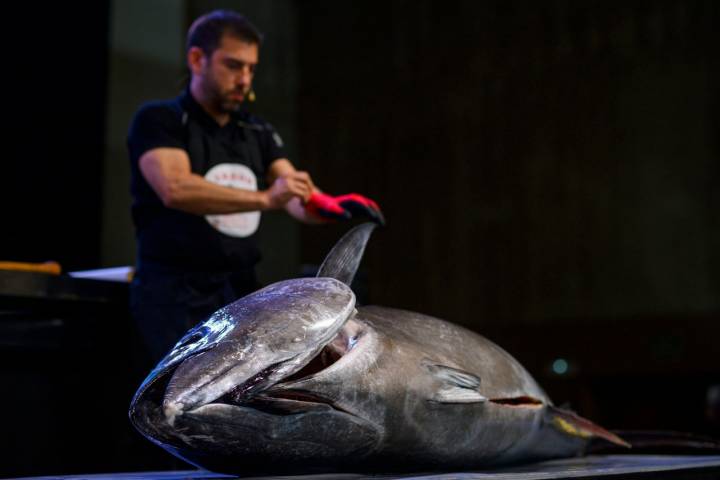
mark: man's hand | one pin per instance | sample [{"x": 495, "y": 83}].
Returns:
[
  {"x": 359, "y": 205},
  {"x": 325, "y": 206},
  {"x": 284, "y": 188},
  {"x": 344, "y": 207}
]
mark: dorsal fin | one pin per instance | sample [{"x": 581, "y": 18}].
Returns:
[{"x": 344, "y": 259}]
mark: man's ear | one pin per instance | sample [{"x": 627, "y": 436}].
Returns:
[{"x": 196, "y": 60}]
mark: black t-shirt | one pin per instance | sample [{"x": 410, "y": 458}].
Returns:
[{"x": 236, "y": 154}]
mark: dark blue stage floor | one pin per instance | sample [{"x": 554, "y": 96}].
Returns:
[{"x": 594, "y": 466}]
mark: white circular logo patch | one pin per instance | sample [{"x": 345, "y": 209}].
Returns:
[{"x": 236, "y": 176}]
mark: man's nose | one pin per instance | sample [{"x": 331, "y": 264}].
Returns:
[{"x": 244, "y": 77}]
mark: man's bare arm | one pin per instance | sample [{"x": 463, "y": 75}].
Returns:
[{"x": 168, "y": 172}]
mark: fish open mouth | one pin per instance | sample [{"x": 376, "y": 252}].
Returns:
[
  {"x": 344, "y": 342},
  {"x": 278, "y": 400}
]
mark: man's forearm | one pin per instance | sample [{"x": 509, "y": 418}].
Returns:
[{"x": 193, "y": 194}]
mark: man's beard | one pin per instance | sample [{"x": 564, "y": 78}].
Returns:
[
  {"x": 223, "y": 101},
  {"x": 229, "y": 105}
]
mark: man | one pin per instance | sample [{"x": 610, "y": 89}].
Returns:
[{"x": 202, "y": 171}]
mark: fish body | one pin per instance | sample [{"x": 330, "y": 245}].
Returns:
[{"x": 297, "y": 378}]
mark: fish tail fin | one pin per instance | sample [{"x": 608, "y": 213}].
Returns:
[{"x": 574, "y": 425}]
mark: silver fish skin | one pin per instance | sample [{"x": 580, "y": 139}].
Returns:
[
  {"x": 294, "y": 379},
  {"x": 388, "y": 390},
  {"x": 439, "y": 396}
]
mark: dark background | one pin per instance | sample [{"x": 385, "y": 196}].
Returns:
[
  {"x": 55, "y": 84},
  {"x": 549, "y": 172}
]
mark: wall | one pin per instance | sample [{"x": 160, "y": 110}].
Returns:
[
  {"x": 146, "y": 63},
  {"x": 535, "y": 161}
]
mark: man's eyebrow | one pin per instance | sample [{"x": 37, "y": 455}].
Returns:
[{"x": 236, "y": 61}]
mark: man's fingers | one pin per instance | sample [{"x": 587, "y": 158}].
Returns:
[
  {"x": 359, "y": 205},
  {"x": 300, "y": 185},
  {"x": 325, "y": 206},
  {"x": 288, "y": 187},
  {"x": 299, "y": 188},
  {"x": 302, "y": 177},
  {"x": 344, "y": 206},
  {"x": 358, "y": 209}
]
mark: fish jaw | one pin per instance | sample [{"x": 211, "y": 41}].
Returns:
[
  {"x": 277, "y": 330},
  {"x": 353, "y": 353}
]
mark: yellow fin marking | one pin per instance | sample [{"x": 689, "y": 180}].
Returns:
[{"x": 570, "y": 429}]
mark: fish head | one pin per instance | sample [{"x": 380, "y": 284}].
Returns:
[{"x": 204, "y": 402}]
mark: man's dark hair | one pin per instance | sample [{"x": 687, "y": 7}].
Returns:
[{"x": 208, "y": 29}]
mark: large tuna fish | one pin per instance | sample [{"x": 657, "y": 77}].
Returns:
[{"x": 295, "y": 378}]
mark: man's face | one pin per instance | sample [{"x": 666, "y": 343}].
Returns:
[{"x": 226, "y": 76}]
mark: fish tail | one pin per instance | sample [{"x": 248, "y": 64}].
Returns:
[{"x": 574, "y": 425}]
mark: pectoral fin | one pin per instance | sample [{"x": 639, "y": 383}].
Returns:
[
  {"x": 574, "y": 425},
  {"x": 458, "y": 395},
  {"x": 458, "y": 386}
]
